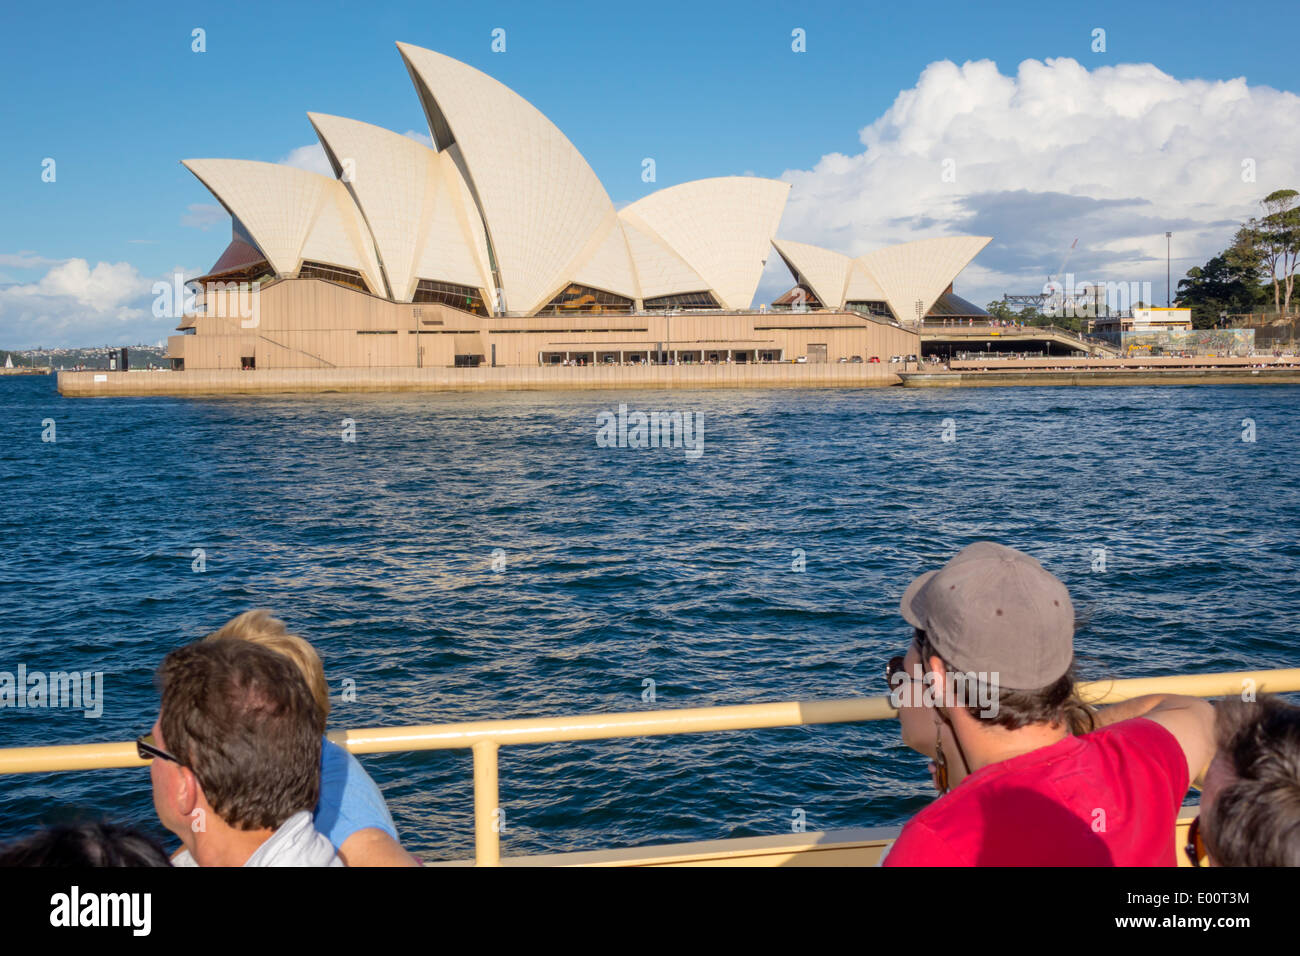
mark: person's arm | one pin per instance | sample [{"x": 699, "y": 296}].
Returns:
[
  {"x": 1189, "y": 719},
  {"x": 353, "y": 815},
  {"x": 1128, "y": 709},
  {"x": 373, "y": 847}
]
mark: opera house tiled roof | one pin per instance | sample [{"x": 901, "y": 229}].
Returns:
[{"x": 504, "y": 215}]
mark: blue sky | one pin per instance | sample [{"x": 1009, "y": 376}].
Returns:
[{"x": 114, "y": 94}]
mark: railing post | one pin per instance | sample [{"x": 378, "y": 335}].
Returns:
[{"x": 487, "y": 824}]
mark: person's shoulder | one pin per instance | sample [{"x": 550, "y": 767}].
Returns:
[
  {"x": 1136, "y": 731},
  {"x": 341, "y": 766},
  {"x": 922, "y": 842},
  {"x": 333, "y": 758}
]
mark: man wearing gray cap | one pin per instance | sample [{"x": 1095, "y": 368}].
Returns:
[{"x": 987, "y": 692}]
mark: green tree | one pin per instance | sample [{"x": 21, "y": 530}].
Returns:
[
  {"x": 1000, "y": 310},
  {"x": 1271, "y": 245},
  {"x": 1281, "y": 223},
  {"x": 1226, "y": 283}
]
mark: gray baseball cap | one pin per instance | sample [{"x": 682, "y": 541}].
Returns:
[{"x": 994, "y": 609}]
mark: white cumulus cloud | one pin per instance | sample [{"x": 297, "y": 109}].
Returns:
[
  {"x": 76, "y": 304},
  {"x": 106, "y": 285},
  {"x": 1113, "y": 157}
]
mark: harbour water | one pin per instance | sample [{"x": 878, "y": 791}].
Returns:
[{"x": 472, "y": 556}]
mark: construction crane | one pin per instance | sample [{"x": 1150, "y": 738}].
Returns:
[{"x": 1068, "y": 252}]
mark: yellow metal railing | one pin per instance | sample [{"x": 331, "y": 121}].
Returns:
[{"x": 484, "y": 738}]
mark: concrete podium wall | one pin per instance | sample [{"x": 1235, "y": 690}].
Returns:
[{"x": 278, "y": 381}]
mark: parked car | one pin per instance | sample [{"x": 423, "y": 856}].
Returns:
[
  {"x": 911, "y": 358},
  {"x": 874, "y": 358},
  {"x": 841, "y": 360},
  {"x": 802, "y": 358},
  {"x": 856, "y": 360},
  {"x": 895, "y": 359}
]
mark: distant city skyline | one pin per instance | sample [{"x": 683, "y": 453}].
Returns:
[{"x": 1030, "y": 126}]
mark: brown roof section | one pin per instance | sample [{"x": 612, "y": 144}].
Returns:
[
  {"x": 809, "y": 299},
  {"x": 238, "y": 255}
]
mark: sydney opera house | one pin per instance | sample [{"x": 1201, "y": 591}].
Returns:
[{"x": 499, "y": 246}]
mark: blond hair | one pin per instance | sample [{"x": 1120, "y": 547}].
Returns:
[{"x": 259, "y": 627}]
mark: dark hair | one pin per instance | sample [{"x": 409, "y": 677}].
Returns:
[
  {"x": 242, "y": 718},
  {"x": 1056, "y": 703},
  {"x": 1255, "y": 820},
  {"x": 85, "y": 844}
]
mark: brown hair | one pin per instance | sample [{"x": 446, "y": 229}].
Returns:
[
  {"x": 1056, "y": 703},
  {"x": 1255, "y": 820},
  {"x": 241, "y": 718},
  {"x": 260, "y": 627}
]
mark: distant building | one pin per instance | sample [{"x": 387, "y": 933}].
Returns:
[
  {"x": 1145, "y": 319},
  {"x": 1157, "y": 331},
  {"x": 500, "y": 246}
]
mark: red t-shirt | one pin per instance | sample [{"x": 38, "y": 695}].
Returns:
[{"x": 1108, "y": 798}]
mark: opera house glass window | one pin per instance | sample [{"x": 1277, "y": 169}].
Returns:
[
  {"x": 319, "y": 270},
  {"x": 874, "y": 307},
  {"x": 448, "y": 293},
  {"x": 580, "y": 298},
  {"x": 683, "y": 300}
]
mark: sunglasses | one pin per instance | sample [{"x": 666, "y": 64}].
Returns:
[
  {"x": 148, "y": 748},
  {"x": 1195, "y": 847},
  {"x": 893, "y": 667}
]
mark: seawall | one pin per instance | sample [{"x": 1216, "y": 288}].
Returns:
[{"x": 281, "y": 381}]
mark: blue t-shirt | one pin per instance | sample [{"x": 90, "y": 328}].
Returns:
[{"x": 349, "y": 799}]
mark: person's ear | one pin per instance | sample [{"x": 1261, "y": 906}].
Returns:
[
  {"x": 187, "y": 792},
  {"x": 937, "y": 678}
]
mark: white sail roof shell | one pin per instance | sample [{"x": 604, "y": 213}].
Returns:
[
  {"x": 339, "y": 237},
  {"x": 473, "y": 221},
  {"x": 825, "y": 271},
  {"x": 541, "y": 201},
  {"x": 292, "y": 214},
  {"x": 609, "y": 266},
  {"x": 914, "y": 274},
  {"x": 862, "y": 285},
  {"x": 412, "y": 202},
  {"x": 721, "y": 227},
  {"x": 659, "y": 270},
  {"x": 902, "y": 275}
]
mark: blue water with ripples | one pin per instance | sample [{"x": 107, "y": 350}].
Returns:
[{"x": 621, "y": 565}]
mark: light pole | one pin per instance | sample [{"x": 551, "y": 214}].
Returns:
[{"x": 1169, "y": 240}]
